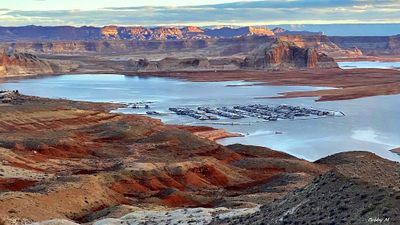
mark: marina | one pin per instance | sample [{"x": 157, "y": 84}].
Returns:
[{"x": 260, "y": 111}]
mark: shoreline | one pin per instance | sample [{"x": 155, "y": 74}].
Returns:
[
  {"x": 346, "y": 84},
  {"x": 368, "y": 58}
]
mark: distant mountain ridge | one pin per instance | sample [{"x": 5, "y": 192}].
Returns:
[{"x": 113, "y": 32}]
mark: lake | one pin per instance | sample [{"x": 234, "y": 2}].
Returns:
[
  {"x": 369, "y": 64},
  {"x": 370, "y": 123}
]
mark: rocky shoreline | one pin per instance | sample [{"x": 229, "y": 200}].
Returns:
[{"x": 346, "y": 84}]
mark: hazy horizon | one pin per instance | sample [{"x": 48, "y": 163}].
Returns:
[{"x": 199, "y": 13}]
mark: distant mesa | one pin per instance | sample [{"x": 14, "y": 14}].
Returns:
[
  {"x": 113, "y": 32},
  {"x": 236, "y": 32},
  {"x": 279, "y": 31},
  {"x": 175, "y": 33}
]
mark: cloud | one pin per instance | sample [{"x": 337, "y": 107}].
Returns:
[{"x": 249, "y": 12}]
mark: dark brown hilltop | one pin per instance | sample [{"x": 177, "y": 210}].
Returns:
[{"x": 361, "y": 188}]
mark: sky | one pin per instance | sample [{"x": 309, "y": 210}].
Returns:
[{"x": 196, "y": 12}]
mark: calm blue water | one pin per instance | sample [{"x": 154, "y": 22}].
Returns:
[
  {"x": 369, "y": 64},
  {"x": 370, "y": 123}
]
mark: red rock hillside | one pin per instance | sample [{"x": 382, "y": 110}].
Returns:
[{"x": 94, "y": 160}]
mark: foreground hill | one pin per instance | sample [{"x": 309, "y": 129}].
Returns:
[{"x": 93, "y": 163}]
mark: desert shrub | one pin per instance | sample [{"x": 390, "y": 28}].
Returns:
[
  {"x": 32, "y": 144},
  {"x": 343, "y": 208},
  {"x": 7, "y": 144},
  {"x": 367, "y": 210},
  {"x": 363, "y": 196}
]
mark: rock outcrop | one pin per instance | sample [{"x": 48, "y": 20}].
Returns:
[
  {"x": 321, "y": 43},
  {"x": 284, "y": 55},
  {"x": 13, "y": 63},
  {"x": 170, "y": 64},
  {"x": 23, "y": 63}
]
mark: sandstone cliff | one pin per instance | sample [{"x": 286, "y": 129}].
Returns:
[
  {"x": 322, "y": 44},
  {"x": 284, "y": 55},
  {"x": 23, "y": 63}
]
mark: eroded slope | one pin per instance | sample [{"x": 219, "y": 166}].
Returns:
[{"x": 64, "y": 159}]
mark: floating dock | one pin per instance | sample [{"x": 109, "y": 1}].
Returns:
[{"x": 264, "y": 112}]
